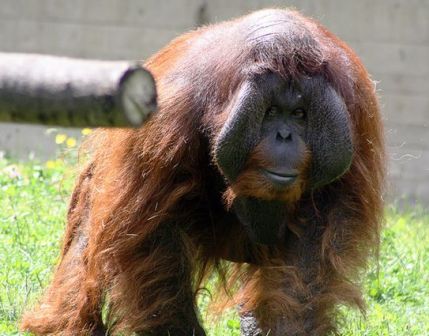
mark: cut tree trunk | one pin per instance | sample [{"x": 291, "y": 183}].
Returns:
[{"x": 50, "y": 90}]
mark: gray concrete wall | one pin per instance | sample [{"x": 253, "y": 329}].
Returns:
[{"x": 391, "y": 37}]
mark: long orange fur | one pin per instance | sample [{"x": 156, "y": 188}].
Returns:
[{"x": 141, "y": 240}]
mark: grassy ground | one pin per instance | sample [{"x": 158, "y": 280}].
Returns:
[{"x": 33, "y": 201}]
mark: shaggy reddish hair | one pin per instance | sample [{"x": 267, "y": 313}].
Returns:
[{"x": 143, "y": 235}]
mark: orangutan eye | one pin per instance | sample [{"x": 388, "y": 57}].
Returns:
[
  {"x": 272, "y": 111},
  {"x": 298, "y": 113}
]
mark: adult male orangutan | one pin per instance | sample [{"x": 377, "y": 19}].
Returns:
[{"x": 267, "y": 152}]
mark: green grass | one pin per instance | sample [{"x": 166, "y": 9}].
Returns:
[{"x": 33, "y": 200}]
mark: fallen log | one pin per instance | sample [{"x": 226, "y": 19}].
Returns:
[{"x": 60, "y": 91}]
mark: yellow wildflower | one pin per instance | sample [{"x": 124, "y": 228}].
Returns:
[
  {"x": 71, "y": 142},
  {"x": 60, "y": 138},
  {"x": 50, "y": 164},
  {"x": 86, "y": 131}
]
